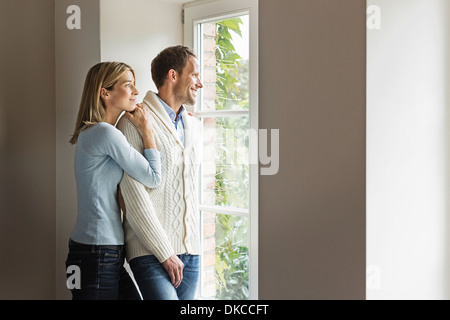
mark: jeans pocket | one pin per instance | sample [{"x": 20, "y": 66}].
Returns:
[{"x": 110, "y": 257}]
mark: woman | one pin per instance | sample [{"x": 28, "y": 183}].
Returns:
[{"x": 96, "y": 244}]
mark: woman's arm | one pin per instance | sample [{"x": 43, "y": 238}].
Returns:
[{"x": 145, "y": 167}]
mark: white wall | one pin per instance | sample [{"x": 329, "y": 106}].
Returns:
[
  {"x": 407, "y": 92},
  {"x": 135, "y": 31}
]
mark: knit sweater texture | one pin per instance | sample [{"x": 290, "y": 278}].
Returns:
[{"x": 164, "y": 221}]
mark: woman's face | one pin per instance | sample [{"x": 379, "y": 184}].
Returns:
[{"x": 123, "y": 94}]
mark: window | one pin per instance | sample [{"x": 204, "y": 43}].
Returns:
[{"x": 223, "y": 34}]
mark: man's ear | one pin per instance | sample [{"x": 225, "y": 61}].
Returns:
[{"x": 172, "y": 75}]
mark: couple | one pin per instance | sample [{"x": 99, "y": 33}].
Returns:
[{"x": 147, "y": 166}]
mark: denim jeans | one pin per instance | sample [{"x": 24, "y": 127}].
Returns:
[
  {"x": 102, "y": 274},
  {"x": 154, "y": 281}
]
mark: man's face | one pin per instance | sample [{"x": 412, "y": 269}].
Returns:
[{"x": 188, "y": 83}]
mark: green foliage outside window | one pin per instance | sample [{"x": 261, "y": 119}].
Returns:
[{"x": 232, "y": 169}]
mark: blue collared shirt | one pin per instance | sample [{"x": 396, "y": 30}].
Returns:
[{"x": 178, "y": 123}]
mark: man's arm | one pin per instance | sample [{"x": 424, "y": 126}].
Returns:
[{"x": 141, "y": 214}]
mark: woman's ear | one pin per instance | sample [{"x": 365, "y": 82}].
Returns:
[{"x": 104, "y": 93}]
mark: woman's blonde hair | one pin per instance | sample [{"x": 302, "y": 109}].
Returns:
[{"x": 92, "y": 108}]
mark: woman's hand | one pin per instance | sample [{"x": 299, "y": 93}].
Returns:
[{"x": 140, "y": 117}]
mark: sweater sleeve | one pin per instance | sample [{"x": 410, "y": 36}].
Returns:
[
  {"x": 140, "y": 212},
  {"x": 143, "y": 166}
]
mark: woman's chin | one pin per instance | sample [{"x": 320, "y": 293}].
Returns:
[{"x": 130, "y": 108}]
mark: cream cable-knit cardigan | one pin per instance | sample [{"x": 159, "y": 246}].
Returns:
[{"x": 164, "y": 221}]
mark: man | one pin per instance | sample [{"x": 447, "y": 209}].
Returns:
[{"x": 162, "y": 231}]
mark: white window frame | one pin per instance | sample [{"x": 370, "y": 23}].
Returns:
[{"x": 195, "y": 13}]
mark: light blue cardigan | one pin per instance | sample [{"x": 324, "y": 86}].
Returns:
[{"x": 101, "y": 156}]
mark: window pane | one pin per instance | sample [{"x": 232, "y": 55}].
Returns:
[
  {"x": 225, "y": 168},
  {"x": 225, "y": 257},
  {"x": 225, "y": 66}
]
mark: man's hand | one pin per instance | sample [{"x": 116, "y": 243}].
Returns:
[{"x": 174, "y": 268}]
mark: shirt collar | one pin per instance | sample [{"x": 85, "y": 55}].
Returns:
[{"x": 170, "y": 111}]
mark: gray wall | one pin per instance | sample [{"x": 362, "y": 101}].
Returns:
[
  {"x": 312, "y": 88},
  {"x": 76, "y": 52},
  {"x": 27, "y": 149}
]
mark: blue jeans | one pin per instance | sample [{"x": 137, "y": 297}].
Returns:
[
  {"x": 102, "y": 274},
  {"x": 154, "y": 281}
]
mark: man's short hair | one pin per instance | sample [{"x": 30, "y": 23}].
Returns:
[{"x": 175, "y": 57}]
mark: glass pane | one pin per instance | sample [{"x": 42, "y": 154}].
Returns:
[
  {"x": 225, "y": 257},
  {"x": 225, "y": 168},
  {"x": 224, "y": 63}
]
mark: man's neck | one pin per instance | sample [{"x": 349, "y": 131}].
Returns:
[{"x": 170, "y": 100}]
